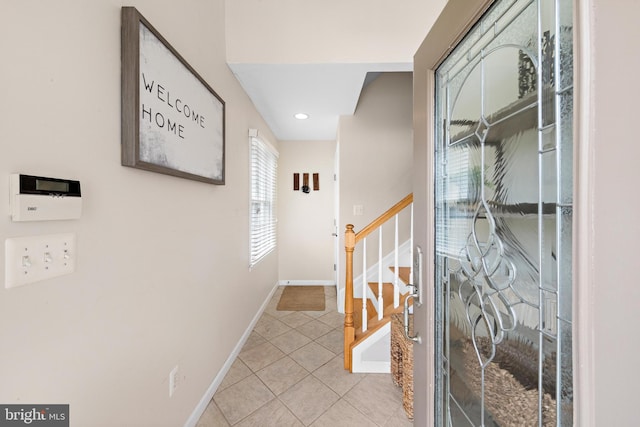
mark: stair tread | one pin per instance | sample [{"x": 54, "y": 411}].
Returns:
[
  {"x": 387, "y": 295},
  {"x": 373, "y": 323},
  {"x": 387, "y": 289},
  {"x": 403, "y": 273}
]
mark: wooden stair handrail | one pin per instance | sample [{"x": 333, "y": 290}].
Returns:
[
  {"x": 350, "y": 240},
  {"x": 376, "y": 223}
]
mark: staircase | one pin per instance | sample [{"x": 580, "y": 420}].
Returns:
[{"x": 370, "y": 304}]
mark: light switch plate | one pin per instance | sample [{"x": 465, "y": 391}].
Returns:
[{"x": 35, "y": 258}]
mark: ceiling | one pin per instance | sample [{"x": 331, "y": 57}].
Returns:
[{"x": 323, "y": 91}]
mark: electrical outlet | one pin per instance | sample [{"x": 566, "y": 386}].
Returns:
[
  {"x": 173, "y": 380},
  {"x": 35, "y": 258}
]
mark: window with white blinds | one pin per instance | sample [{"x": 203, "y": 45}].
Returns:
[{"x": 264, "y": 168}]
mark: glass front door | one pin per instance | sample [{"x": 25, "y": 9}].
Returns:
[{"x": 503, "y": 207}]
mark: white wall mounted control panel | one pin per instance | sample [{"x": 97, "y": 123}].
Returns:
[
  {"x": 35, "y": 258},
  {"x": 37, "y": 198}
]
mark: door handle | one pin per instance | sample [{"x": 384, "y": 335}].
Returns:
[
  {"x": 416, "y": 337},
  {"x": 415, "y": 290}
]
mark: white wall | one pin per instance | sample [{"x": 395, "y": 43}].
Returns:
[
  {"x": 305, "y": 221},
  {"x": 331, "y": 31},
  {"x": 160, "y": 259},
  {"x": 376, "y": 152},
  {"x": 613, "y": 178}
]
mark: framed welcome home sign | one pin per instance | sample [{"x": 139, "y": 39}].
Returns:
[{"x": 173, "y": 122}]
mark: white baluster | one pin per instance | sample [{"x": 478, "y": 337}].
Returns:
[
  {"x": 411, "y": 241},
  {"x": 396, "y": 269},
  {"x": 380, "y": 302},
  {"x": 364, "y": 284}
]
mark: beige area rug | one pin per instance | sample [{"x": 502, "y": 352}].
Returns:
[{"x": 302, "y": 298}]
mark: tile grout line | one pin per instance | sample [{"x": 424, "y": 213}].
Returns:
[{"x": 313, "y": 373}]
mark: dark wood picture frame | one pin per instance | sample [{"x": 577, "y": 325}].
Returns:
[{"x": 173, "y": 122}]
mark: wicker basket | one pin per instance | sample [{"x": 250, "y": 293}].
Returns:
[
  {"x": 402, "y": 362},
  {"x": 506, "y": 399}
]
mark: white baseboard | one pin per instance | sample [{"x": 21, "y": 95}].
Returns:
[
  {"x": 373, "y": 368},
  {"x": 204, "y": 402},
  {"x": 307, "y": 283}
]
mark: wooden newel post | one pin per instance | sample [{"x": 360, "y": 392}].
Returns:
[{"x": 349, "y": 329}]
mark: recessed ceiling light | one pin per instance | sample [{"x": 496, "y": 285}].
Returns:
[{"x": 301, "y": 116}]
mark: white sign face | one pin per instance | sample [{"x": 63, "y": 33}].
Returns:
[{"x": 181, "y": 120}]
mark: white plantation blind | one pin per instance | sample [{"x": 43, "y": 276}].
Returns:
[
  {"x": 454, "y": 186},
  {"x": 264, "y": 168}
]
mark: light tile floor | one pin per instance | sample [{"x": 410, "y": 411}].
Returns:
[{"x": 290, "y": 373}]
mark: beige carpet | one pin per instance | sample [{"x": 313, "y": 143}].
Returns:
[{"x": 302, "y": 298}]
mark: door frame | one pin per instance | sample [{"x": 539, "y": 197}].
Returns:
[
  {"x": 455, "y": 20},
  {"x": 336, "y": 227}
]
